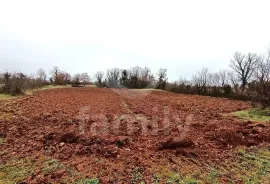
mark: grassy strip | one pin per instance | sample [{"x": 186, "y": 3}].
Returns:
[
  {"x": 17, "y": 170},
  {"x": 247, "y": 165},
  {"x": 7, "y": 97},
  {"x": 258, "y": 115},
  {"x": 30, "y": 92}
]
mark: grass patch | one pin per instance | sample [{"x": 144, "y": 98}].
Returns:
[
  {"x": 2, "y": 141},
  {"x": 51, "y": 166},
  {"x": 8, "y": 97},
  {"x": 91, "y": 86},
  {"x": 258, "y": 115},
  {"x": 54, "y": 87},
  {"x": 4, "y": 115},
  {"x": 87, "y": 181},
  {"x": 30, "y": 92},
  {"x": 250, "y": 165},
  {"x": 16, "y": 170},
  {"x": 246, "y": 165},
  {"x": 147, "y": 89}
]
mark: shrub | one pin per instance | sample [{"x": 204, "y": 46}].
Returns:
[{"x": 18, "y": 83}]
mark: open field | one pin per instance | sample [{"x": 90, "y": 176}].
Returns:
[{"x": 95, "y": 135}]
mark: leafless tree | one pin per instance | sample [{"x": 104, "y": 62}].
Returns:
[
  {"x": 262, "y": 72},
  {"x": 223, "y": 78},
  {"x": 77, "y": 78},
  {"x": 244, "y": 66},
  {"x": 202, "y": 79},
  {"x": 233, "y": 79},
  {"x": 85, "y": 78},
  {"x": 41, "y": 75},
  {"x": 162, "y": 78},
  {"x": 55, "y": 72},
  {"x": 219, "y": 79},
  {"x": 99, "y": 77},
  {"x": 113, "y": 77},
  {"x": 67, "y": 77},
  {"x": 146, "y": 77},
  {"x": 259, "y": 89}
]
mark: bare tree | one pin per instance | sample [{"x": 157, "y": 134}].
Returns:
[
  {"x": 162, "y": 78},
  {"x": 146, "y": 77},
  {"x": 67, "y": 77},
  {"x": 113, "y": 77},
  {"x": 223, "y": 78},
  {"x": 41, "y": 75},
  {"x": 85, "y": 78},
  {"x": 244, "y": 66},
  {"x": 233, "y": 79},
  {"x": 262, "y": 72},
  {"x": 77, "y": 78},
  {"x": 219, "y": 79},
  {"x": 55, "y": 72},
  {"x": 99, "y": 77},
  {"x": 259, "y": 89},
  {"x": 202, "y": 79}
]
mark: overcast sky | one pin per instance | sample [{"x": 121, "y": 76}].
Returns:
[{"x": 86, "y": 36}]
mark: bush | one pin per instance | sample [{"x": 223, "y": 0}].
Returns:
[
  {"x": 18, "y": 83},
  {"x": 260, "y": 92}
]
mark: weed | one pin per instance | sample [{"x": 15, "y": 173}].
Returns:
[
  {"x": 51, "y": 165},
  {"x": 189, "y": 180},
  {"x": 137, "y": 175},
  {"x": 252, "y": 166},
  {"x": 16, "y": 170},
  {"x": 156, "y": 180},
  {"x": 174, "y": 179},
  {"x": 88, "y": 181},
  {"x": 212, "y": 176},
  {"x": 2, "y": 141}
]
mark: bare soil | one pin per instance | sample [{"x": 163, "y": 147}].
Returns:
[{"x": 50, "y": 123}]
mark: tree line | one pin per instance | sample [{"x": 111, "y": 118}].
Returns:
[
  {"x": 15, "y": 83},
  {"x": 247, "y": 78}
]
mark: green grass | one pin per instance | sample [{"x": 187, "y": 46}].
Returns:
[
  {"x": 51, "y": 165},
  {"x": 250, "y": 165},
  {"x": 16, "y": 170},
  {"x": 87, "y": 181},
  {"x": 258, "y": 115},
  {"x": 246, "y": 165}
]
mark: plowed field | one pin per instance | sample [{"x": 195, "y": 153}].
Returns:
[{"x": 98, "y": 133}]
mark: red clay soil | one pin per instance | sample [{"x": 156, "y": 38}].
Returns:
[{"x": 50, "y": 123}]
